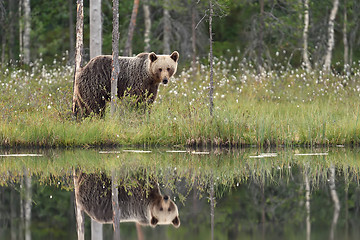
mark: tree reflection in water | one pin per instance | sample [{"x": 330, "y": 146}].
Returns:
[{"x": 256, "y": 198}]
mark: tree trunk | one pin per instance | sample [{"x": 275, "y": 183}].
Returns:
[
  {"x": 27, "y": 28},
  {"x": 12, "y": 16},
  {"x": 352, "y": 41},
  {"x": 260, "y": 47},
  {"x": 139, "y": 232},
  {"x": 3, "y": 47},
  {"x": 263, "y": 209},
  {"x": 128, "y": 45},
  {"x": 335, "y": 200},
  {"x": 71, "y": 33},
  {"x": 78, "y": 52},
  {"x": 193, "y": 38},
  {"x": 115, "y": 204},
  {"x": 80, "y": 218},
  {"x": 305, "y": 37},
  {"x": 4, "y": 28},
  {"x": 167, "y": 27},
  {"x": 346, "y": 200},
  {"x": 13, "y": 214},
  {"x": 147, "y": 18},
  {"x": 211, "y": 92},
  {"x": 72, "y": 216},
  {"x": 95, "y": 28},
  {"x": 346, "y": 44},
  {"x": 28, "y": 201},
  {"x": 96, "y": 230},
  {"x": 331, "y": 39},
  {"x": 21, "y": 44},
  {"x": 22, "y": 222},
  {"x": 115, "y": 55},
  {"x": 212, "y": 203},
  {"x": 307, "y": 204}
]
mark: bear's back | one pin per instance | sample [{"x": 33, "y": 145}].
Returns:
[{"x": 94, "y": 194}]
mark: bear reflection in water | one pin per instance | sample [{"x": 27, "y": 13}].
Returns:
[{"x": 140, "y": 204}]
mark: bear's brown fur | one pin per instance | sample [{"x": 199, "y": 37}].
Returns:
[
  {"x": 139, "y": 76},
  {"x": 144, "y": 205}
]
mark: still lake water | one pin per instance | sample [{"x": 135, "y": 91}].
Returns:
[{"x": 220, "y": 194}]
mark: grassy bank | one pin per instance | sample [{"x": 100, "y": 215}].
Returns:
[{"x": 283, "y": 107}]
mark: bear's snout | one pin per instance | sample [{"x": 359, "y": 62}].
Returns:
[
  {"x": 165, "y": 81},
  {"x": 166, "y": 197}
]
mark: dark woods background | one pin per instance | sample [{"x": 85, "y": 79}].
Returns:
[{"x": 242, "y": 28}]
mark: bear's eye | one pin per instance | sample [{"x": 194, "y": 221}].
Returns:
[
  {"x": 168, "y": 69},
  {"x": 161, "y": 209},
  {"x": 169, "y": 209},
  {"x": 160, "y": 69}
]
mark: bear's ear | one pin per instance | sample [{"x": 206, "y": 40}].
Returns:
[
  {"x": 153, "y": 221},
  {"x": 176, "y": 222},
  {"x": 175, "y": 56},
  {"x": 152, "y": 57}
]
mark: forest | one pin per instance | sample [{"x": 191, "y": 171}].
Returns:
[{"x": 264, "y": 32}]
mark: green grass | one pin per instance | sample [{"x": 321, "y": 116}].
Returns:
[{"x": 286, "y": 107}]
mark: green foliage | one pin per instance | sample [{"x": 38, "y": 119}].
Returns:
[{"x": 236, "y": 26}]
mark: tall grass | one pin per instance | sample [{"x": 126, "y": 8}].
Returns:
[{"x": 286, "y": 107}]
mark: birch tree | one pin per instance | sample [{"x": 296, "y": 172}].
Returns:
[
  {"x": 95, "y": 28},
  {"x": 307, "y": 203},
  {"x": 353, "y": 34},
  {"x": 78, "y": 51},
  {"x": 193, "y": 36},
  {"x": 132, "y": 24},
  {"x": 21, "y": 49},
  {"x": 260, "y": 43},
  {"x": 27, "y": 28},
  {"x": 331, "y": 38},
  {"x": 115, "y": 203},
  {"x": 211, "y": 92},
  {"x": 345, "y": 41},
  {"x": 4, "y": 30},
  {"x": 71, "y": 32},
  {"x": 28, "y": 201},
  {"x": 335, "y": 200},
  {"x": 95, "y": 50},
  {"x": 12, "y": 25},
  {"x": 115, "y": 55},
  {"x": 146, "y": 9},
  {"x": 13, "y": 215},
  {"x": 80, "y": 218},
  {"x": 305, "y": 37},
  {"x": 167, "y": 27},
  {"x": 96, "y": 230},
  {"x": 212, "y": 202}
]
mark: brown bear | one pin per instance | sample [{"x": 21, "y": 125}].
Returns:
[
  {"x": 139, "y": 76},
  {"x": 140, "y": 204}
]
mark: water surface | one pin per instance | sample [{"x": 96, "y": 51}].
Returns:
[{"x": 220, "y": 194}]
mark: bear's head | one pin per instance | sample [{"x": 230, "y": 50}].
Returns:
[
  {"x": 163, "y": 67},
  {"x": 164, "y": 211}
]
